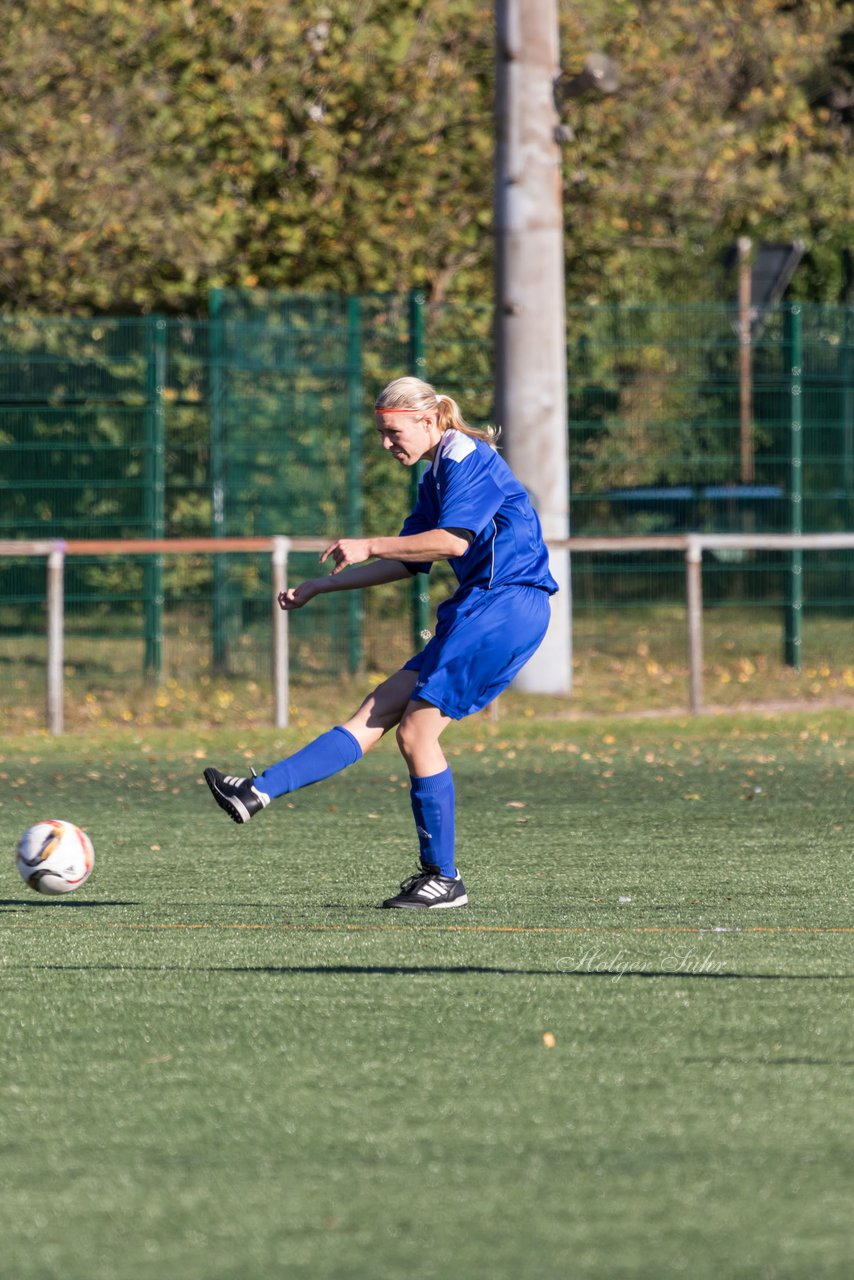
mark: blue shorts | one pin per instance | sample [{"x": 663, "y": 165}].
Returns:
[{"x": 481, "y": 643}]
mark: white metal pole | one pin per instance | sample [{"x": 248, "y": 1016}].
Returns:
[
  {"x": 694, "y": 600},
  {"x": 530, "y": 311},
  {"x": 55, "y": 636},
  {"x": 281, "y": 664}
]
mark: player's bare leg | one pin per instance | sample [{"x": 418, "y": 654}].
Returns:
[
  {"x": 383, "y": 708},
  {"x": 420, "y": 728}
]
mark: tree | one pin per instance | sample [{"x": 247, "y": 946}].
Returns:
[
  {"x": 151, "y": 152},
  {"x": 729, "y": 122}
]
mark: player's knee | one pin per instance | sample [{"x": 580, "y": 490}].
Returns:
[
  {"x": 408, "y": 737},
  {"x": 402, "y": 736}
]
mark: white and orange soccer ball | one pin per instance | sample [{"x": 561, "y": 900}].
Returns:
[{"x": 54, "y": 856}]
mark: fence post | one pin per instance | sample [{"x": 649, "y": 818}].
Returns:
[
  {"x": 355, "y": 599},
  {"x": 155, "y": 482},
  {"x": 55, "y": 636},
  {"x": 847, "y": 378},
  {"x": 793, "y": 622},
  {"x": 219, "y": 583},
  {"x": 281, "y": 659},
  {"x": 847, "y": 414},
  {"x": 694, "y": 598},
  {"x": 418, "y": 369}
]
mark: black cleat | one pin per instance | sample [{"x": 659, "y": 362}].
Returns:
[
  {"x": 427, "y": 888},
  {"x": 238, "y": 796}
]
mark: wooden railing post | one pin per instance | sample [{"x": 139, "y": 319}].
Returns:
[
  {"x": 694, "y": 600},
  {"x": 281, "y": 662},
  {"x": 55, "y": 636}
]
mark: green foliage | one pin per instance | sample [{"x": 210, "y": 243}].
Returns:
[
  {"x": 152, "y": 152},
  {"x": 164, "y": 149},
  {"x": 733, "y": 118}
]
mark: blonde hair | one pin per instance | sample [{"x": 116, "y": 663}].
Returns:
[{"x": 414, "y": 394}]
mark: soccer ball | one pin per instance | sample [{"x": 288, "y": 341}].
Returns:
[{"x": 54, "y": 856}]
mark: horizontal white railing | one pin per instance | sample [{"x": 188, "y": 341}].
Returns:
[{"x": 691, "y": 545}]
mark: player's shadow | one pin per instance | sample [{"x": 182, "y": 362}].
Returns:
[
  {"x": 614, "y": 974},
  {"x": 407, "y": 971},
  {"x": 14, "y": 904},
  {"x": 724, "y": 1060}
]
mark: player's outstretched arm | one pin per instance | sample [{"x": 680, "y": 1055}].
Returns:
[
  {"x": 362, "y": 575},
  {"x": 388, "y": 559}
]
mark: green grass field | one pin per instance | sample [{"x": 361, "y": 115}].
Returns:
[{"x": 631, "y": 1056}]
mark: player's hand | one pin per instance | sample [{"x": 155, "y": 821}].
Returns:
[
  {"x": 347, "y": 551},
  {"x": 296, "y": 597}
]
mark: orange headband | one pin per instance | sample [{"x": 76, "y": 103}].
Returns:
[{"x": 439, "y": 400}]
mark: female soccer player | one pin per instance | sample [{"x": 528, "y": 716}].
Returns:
[{"x": 473, "y": 512}]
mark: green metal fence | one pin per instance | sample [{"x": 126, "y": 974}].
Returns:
[
  {"x": 258, "y": 421},
  {"x": 659, "y": 419}
]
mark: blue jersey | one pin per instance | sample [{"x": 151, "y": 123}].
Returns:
[{"x": 469, "y": 486}]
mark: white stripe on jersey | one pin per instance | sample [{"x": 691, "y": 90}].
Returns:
[{"x": 456, "y": 445}]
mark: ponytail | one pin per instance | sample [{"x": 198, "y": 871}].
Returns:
[{"x": 451, "y": 419}]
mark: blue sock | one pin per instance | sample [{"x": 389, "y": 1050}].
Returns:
[
  {"x": 433, "y": 809},
  {"x": 328, "y": 754}
]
